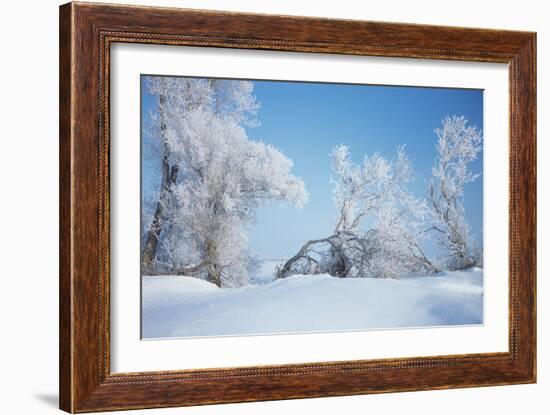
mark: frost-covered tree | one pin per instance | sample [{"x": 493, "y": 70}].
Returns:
[
  {"x": 374, "y": 193},
  {"x": 227, "y": 176},
  {"x": 176, "y": 98},
  {"x": 222, "y": 177},
  {"x": 458, "y": 144}
]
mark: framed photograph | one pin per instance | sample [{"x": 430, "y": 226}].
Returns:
[{"x": 258, "y": 207}]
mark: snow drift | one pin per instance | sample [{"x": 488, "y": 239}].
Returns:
[{"x": 179, "y": 306}]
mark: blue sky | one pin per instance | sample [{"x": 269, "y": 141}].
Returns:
[{"x": 305, "y": 120}]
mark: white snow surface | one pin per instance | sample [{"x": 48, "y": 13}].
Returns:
[{"x": 179, "y": 306}]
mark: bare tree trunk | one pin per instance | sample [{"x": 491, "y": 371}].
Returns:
[
  {"x": 340, "y": 266},
  {"x": 169, "y": 177},
  {"x": 214, "y": 274},
  {"x": 212, "y": 268}
]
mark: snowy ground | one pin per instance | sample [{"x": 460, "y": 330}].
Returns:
[{"x": 175, "y": 306}]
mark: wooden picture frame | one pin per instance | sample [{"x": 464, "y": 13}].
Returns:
[{"x": 86, "y": 33}]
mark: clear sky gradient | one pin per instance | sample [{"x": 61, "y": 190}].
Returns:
[{"x": 305, "y": 120}]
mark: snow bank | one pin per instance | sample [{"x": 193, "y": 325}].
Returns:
[
  {"x": 175, "y": 306},
  {"x": 266, "y": 272}
]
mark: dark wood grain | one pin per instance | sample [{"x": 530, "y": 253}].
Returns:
[
  {"x": 65, "y": 247},
  {"x": 86, "y": 33}
]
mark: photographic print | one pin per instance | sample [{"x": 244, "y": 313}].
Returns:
[{"x": 277, "y": 207}]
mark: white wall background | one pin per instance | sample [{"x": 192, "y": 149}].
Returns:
[{"x": 29, "y": 207}]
